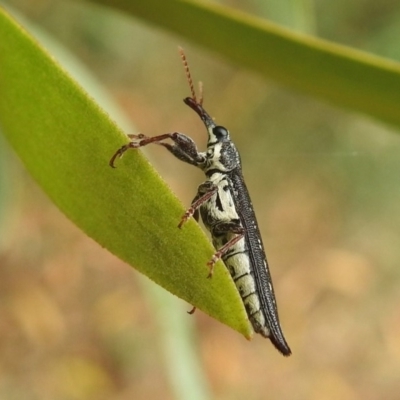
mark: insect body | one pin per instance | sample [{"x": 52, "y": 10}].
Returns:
[{"x": 226, "y": 210}]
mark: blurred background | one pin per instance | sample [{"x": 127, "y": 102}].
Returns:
[{"x": 76, "y": 323}]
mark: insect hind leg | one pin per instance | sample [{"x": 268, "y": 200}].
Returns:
[{"x": 224, "y": 228}]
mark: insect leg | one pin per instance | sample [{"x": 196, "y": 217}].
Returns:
[
  {"x": 183, "y": 148},
  {"x": 224, "y": 228},
  {"x": 205, "y": 192},
  {"x": 131, "y": 145}
]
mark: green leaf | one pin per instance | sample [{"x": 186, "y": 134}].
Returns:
[
  {"x": 66, "y": 141},
  {"x": 339, "y": 74}
]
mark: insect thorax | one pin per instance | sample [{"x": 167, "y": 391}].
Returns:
[{"x": 221, "y": 157}]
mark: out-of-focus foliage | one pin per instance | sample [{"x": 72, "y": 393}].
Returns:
[{"x": 341, "y": 75}]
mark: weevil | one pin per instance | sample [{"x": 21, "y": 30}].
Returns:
[{"x": 224, "y": 204}]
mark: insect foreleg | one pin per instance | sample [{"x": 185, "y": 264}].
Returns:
[
  {"x": 183, "y": 148},
  {"x": 131, "y": 145},
  {"x": 205, "y": 191},
  {"x": 220, "y": 229}
]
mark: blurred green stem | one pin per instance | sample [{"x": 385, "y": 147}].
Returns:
[{"x": 177, "y": 338}]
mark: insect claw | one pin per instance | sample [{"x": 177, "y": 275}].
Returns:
[
  {"x": 118, "y": 154},
  {"x": 191, "y": 312},
  {"x": 183, "y": 220},
  {"x": 135, "y": 143},
  {"x": 189, "y": 213},
  {"x": 211, "y": 265}
]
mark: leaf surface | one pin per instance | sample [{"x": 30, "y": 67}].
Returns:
[{"x": 66, "y": 141}]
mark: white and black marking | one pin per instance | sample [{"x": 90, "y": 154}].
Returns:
[{"x": 224, "y": 204}]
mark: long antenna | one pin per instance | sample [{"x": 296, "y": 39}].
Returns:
[
  {"x": 189, "y": 78},
  {"x": 201, "y": 92}
]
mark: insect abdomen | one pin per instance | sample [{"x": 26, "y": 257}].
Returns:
[{"x": 239, "y": 267}]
